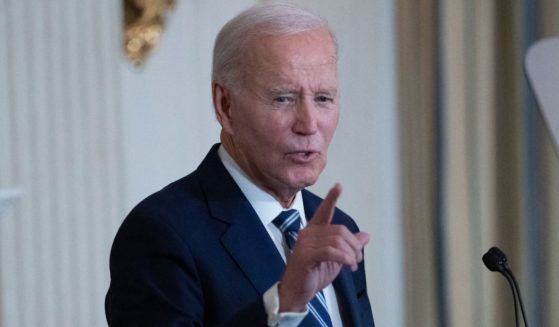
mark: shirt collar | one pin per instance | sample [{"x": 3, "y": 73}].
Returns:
[{"x": 267, "y": 208}]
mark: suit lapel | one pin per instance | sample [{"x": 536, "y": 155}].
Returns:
[
  {"x": 246, "y": 239},
  {"x": 248, "y": 242}
]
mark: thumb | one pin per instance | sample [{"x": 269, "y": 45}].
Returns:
[{"x": 325, "y": 211}]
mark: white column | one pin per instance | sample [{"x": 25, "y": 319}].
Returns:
[{"x": 61, "y": 143}]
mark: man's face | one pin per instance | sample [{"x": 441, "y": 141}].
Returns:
[{"x": 284, "y": 115}]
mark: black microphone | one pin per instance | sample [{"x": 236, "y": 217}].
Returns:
[{"x": 496, "y": 260}]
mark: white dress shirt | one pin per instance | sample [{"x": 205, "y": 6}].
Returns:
[{"x": 267, "y": 208}]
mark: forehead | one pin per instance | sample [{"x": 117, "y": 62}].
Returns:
[{"x": 311, "y": 50}]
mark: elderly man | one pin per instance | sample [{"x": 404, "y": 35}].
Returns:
[{"x": 240, "y": 242}]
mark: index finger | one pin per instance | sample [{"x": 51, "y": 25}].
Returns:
[{"x": 325, "y": 211}]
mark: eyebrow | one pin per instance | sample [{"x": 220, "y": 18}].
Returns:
[{"x": 292, "y": 90}]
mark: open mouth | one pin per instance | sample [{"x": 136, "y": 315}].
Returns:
[{"x": 302, "y": 156}]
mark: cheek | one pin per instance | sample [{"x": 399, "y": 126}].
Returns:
[
  {"x": 260, "y": 137},
  {"x": 270, "y": 131},
  {"x": 329, "y": 127}
]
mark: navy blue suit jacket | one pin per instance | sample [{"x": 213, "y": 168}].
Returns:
[{"x": 196, "y": 254}]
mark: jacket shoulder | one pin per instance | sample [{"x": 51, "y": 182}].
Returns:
[{"x": 312, "y": 201}]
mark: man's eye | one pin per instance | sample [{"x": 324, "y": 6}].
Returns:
[
  {"x": 282, "y": 99},
  {"x": 323, "y": 98}
]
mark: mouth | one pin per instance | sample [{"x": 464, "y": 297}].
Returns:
[{"x": 303, "y": 156}]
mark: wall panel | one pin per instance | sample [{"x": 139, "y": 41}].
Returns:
[{"x": 60, "y": 120}]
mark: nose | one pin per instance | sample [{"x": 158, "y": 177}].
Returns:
[{"x": 306, "y": 120}]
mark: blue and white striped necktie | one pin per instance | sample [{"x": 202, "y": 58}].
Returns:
[{"x": 289, "y": 223}]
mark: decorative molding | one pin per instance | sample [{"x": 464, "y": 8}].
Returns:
[{"x": 144, "y": 22}]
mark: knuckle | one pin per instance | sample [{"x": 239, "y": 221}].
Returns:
[
  {"x": 330, "y": 250},
  {"x": 350, "y": 259},
  {"x": 340, "y": 229},
  {"x": 337, "y": 228},
  {"x": 338, "y": 241}
]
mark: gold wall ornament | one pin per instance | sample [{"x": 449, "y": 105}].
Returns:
[{"x": 144, "y": 22}]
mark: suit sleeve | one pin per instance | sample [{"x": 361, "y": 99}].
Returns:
[
  {"x": 360, "y": 283},
  {"x": 154, "y": 282},
  {"x": 153, "y": 278}
]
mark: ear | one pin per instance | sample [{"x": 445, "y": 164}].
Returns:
[{"x": 222, "y": 105}]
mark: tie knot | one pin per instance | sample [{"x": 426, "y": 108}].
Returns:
[{"x": 288, "y": 221}]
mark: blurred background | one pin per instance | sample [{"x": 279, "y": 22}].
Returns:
[{"x": 440, "y": 148}]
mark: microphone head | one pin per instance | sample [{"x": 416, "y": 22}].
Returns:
[{"x": 495, "y": 260}]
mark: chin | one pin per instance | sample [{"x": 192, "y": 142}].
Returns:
[
  {"x": 299, "y": 176},
  {"x": 302, "y": 181}
]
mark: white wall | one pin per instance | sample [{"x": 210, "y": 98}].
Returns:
[{"x": 169, "y": 124}]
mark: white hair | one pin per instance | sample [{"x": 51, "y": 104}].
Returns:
[{"x": 268, "y": 18}]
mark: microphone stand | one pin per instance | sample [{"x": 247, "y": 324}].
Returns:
[{"x": 519, "y": 297}]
